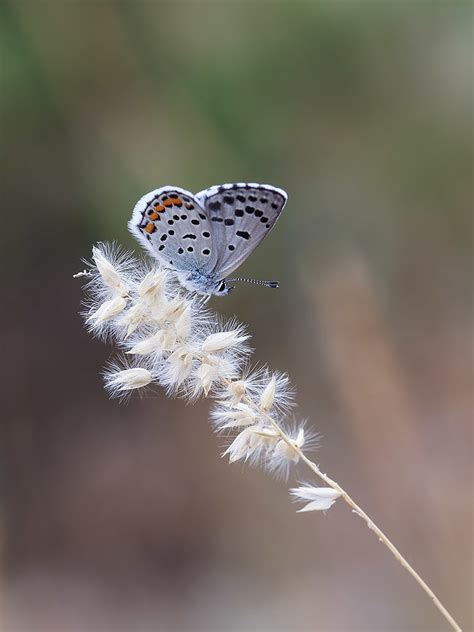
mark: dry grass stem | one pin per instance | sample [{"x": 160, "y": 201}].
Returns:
[{"x": 167, "y": 336}]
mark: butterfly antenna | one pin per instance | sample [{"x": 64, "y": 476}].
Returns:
[{"x": 254, "y": 281}]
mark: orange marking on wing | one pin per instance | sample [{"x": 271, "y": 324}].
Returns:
[
  {"x": 178, "y": 202},
  {"x": 159, "y": 208},
  {"x": 168, "y": 202},
  {"x": 150, "y": 228},
  {"x": 154, "y": 216}
]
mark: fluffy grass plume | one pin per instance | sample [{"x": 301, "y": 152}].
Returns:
[{"x": 166, "y": 336}]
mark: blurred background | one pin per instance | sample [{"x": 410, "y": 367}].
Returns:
[{"x": 125, "y": 517}]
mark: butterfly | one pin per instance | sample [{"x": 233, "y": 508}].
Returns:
[{"x": 206, "y": 236}]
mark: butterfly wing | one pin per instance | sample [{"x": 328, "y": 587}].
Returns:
[
  {"x": 241, "y": 216},
  {"x": 171, "y": 224}
]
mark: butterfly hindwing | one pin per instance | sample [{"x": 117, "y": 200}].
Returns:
[
  {"x": 173, "y": 227},
  {"x": 241, "y": 215}
]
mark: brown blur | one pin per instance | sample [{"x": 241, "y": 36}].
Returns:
[{"x": 124, "y": 516}]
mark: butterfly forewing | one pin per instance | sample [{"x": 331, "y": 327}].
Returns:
[
  {"x": 241, "y": 215},
  {"x": 173, "y": 227}
]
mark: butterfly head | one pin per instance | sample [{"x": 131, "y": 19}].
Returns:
[{"x": 222, "y": 289}]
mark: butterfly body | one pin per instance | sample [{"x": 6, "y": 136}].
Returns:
[
  {"x": 205, "y": 237},
  {"x": 197, "y": 281}
]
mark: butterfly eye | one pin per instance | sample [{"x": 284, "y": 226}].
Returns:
[{"x": 222, "y": 286}]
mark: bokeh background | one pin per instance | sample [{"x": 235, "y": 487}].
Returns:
[{"x": 125, "y": 517}]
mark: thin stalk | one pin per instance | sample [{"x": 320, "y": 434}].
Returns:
[{"x": 361, "y": 513}]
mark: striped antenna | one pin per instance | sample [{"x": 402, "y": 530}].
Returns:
[{"x": 254, "y": 281}]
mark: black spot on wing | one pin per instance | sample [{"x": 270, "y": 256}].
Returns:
[{"x": 243, "y": 233}]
